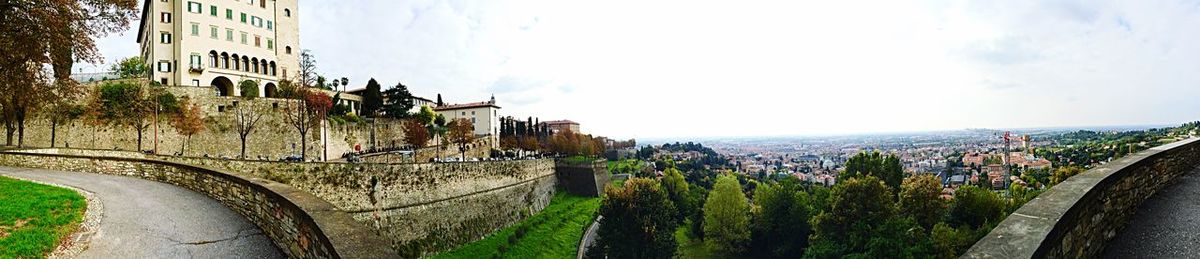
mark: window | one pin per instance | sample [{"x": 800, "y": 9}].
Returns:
[
  {"x": 243, "y": 37},
  {"x": 194, "y": 7},
  {"x": 194, "y": 61},
  {"x": 288, "y": 49},
  {"x": 270, "y": 26},
  {"x": 472, "y": 113},
  {"x": 165, "y": 17},
  {"x": 195, "y": 82},
  {"x": 287, "y": 12},
  {"x": 472, "y": 119},
  {"x": 262, "y": 3},
  {"x": 229, "y": 14},
  {"x": 256, "y": 21},
  {"x": 243, "y": 17},
  {"x": 270, "y": 44},
  {"x": 195, "y": 29},
  {"x": 164, "y": 66},
  {"x": 229, "y": 34},
  {"x": 165, "y": 37},
  {"x": 257, "y": 41},
  {"x": 213, "y": 31},
  {"x": 212, "y": 9}
]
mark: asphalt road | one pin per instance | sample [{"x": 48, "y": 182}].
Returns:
[
  {"x": 148, "y": 219},
  {"x": 1166, "y": 226}
]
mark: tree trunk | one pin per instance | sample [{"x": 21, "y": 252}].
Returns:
[
  {"x": 139, "y": 140},
  {"x": 303, "y": 146},
  {"x": 243, "y": 147},
  {"x": 8, "y": 133},
  {"x": 53, "y": 132},
  {"x": 21, "y": 131},
  {"x": 185, "y": 143}
]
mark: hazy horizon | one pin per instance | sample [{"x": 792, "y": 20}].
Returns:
[{"x": 653, "y": 69}]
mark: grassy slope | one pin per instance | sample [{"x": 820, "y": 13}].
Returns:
[
  {"x": 552, "y": 233},
  {"x": 46, "y": 213}
]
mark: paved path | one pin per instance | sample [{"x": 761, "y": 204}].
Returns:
[
  {"x": 1166, "y": 226},
  {"x": 148, "y": 219}
]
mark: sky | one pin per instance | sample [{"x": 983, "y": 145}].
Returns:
[{"x": 654, "y": 69}]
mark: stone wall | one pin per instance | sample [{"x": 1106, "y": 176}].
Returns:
[
  {"x": 587, "y": 179},
  {"x": 273, "y": 139},
  {"x": 300, "y": 224},
  {"x": 420, "y": 207},
  {"x": 1075, "y": 219}
]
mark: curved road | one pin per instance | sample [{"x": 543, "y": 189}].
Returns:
[
  {"x": 148, "y": 219},
  {"x": 1167, "y": 225}
]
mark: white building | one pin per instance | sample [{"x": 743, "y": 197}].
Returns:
[
  {"x": 484, "y": 116},
  {"x": 221, "y": 42}
]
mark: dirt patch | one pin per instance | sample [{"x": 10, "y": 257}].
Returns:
[{"x": 5, "y": 230}]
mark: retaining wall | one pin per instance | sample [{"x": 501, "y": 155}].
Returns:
[
  {"x": 1075, "y": 218},
  {"x": 300, "y": 224}
]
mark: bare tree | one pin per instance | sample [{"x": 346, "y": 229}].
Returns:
[
  {"x": 304, "y": 111},
  {"x": 308, "y": 68},
  {"x": 462, "y": 132},
  {"x": 246, "y": 115}
]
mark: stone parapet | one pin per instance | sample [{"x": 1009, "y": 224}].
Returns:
[
  {"x": 1077, "y": 217},
  {"x": 300, "y": 224}
]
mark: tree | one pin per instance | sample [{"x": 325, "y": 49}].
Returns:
[
  {"x": 1062, "y": 173},
  {"x": 677, "y": 192},
  {"x": 949, "y": 242},
  {"x": 308, "y": 69},
  {"x": 780, "y": 228},
  {"x": 873, "y": 163},
  {"x": 920, "y": 198},
  {"x": 304, "y": 111},
  {"x": 189, "y": 122},
  {"x": 636, "y": 222},
  {"x": 726, "y": 218},
  {"x": 399, "y": 101},
  {"x": 246, "y": 115},
  {"x": 35, "y": 35},
  {"x": 462, "y": 132},
  {"x": 975, "y": 207},
  {"x": 131, "y": 67},
  {"x": 858, "y": 206},
  {"x": 60, "y": 113},
  {"x": 439, "y": 100},
  {"x": 372, "y": 98},
  {"x": 128, "y": 104},
  {"x": 415, "y": 133}
]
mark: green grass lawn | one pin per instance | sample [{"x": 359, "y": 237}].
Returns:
[
  {"x": 693, "y": 248},
  {"x": 34, "y": 217},
  {"x": 552, "y": 233}
]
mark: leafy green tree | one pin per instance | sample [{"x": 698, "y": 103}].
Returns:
[
  {"x": 975, "y": 207},
  {"x": 248, "y": 88},
  {"x": 949, "y": 242},
  {"x": 726, "y": 217},
  {"x": 886, "y": 168},
  {"x": 858, "y": 206},
  {"x": 637, "y": 222},
  {"x": 399, "y": 101},
  {"x": 898, "y": 237},
  {"x": 779, "y": 228},
  {"x": 131, "y": 67},
  {"x": 697, "y": 195},
  {"x": 372, "y": 98},
  {"x": 1062, "y": 173},
  {"x": 677, "y": 192},
  {"x": 920, "y": 199}
]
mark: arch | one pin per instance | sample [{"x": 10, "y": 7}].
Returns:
[
  {"x": 273, "y": 68},
  {"x": 224, "y": 86},
  {"x": 264, "y": 66},
  {"x": 212, "y": 58},
  {"x": 288, "y": 50},
  {"x": 287, "y": 12},
  {"x": 270, "y": 91},
  {"x": 245, "y": 63},
  {"x": 225, "y": 60},
  {"x": 254, "y": 63},
  {"x": 237, "y": 65}
]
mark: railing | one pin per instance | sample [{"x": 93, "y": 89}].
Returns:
[{"x": 1076, "y": 218}]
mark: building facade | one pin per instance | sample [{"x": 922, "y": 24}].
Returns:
[
  {"x": 220, "y": 43},
  {"x": 557, "y": 126},
  {"x": 484, "y": 116}
]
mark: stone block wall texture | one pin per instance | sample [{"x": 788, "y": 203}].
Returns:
[
  {"x": 273, "y": 139},
  {"x": 1077, "y": 217},
  {"x": 300, "y": 224},
  {"x": 586, "y": 179},
  {"x": 421, "y": 208}
]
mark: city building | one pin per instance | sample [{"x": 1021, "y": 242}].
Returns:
[
  {"x": 557, "y": 126},
  {"x": 484, "y": 116},
  {"x": 220, "y": 43}
]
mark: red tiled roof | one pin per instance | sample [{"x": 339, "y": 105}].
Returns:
[{"x": 465, "y": 106}]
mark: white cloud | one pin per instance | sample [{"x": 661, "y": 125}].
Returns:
[{"x": 701, "y": 68}]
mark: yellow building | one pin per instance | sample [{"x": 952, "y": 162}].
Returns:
[{"x": 219, "y": 43}]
